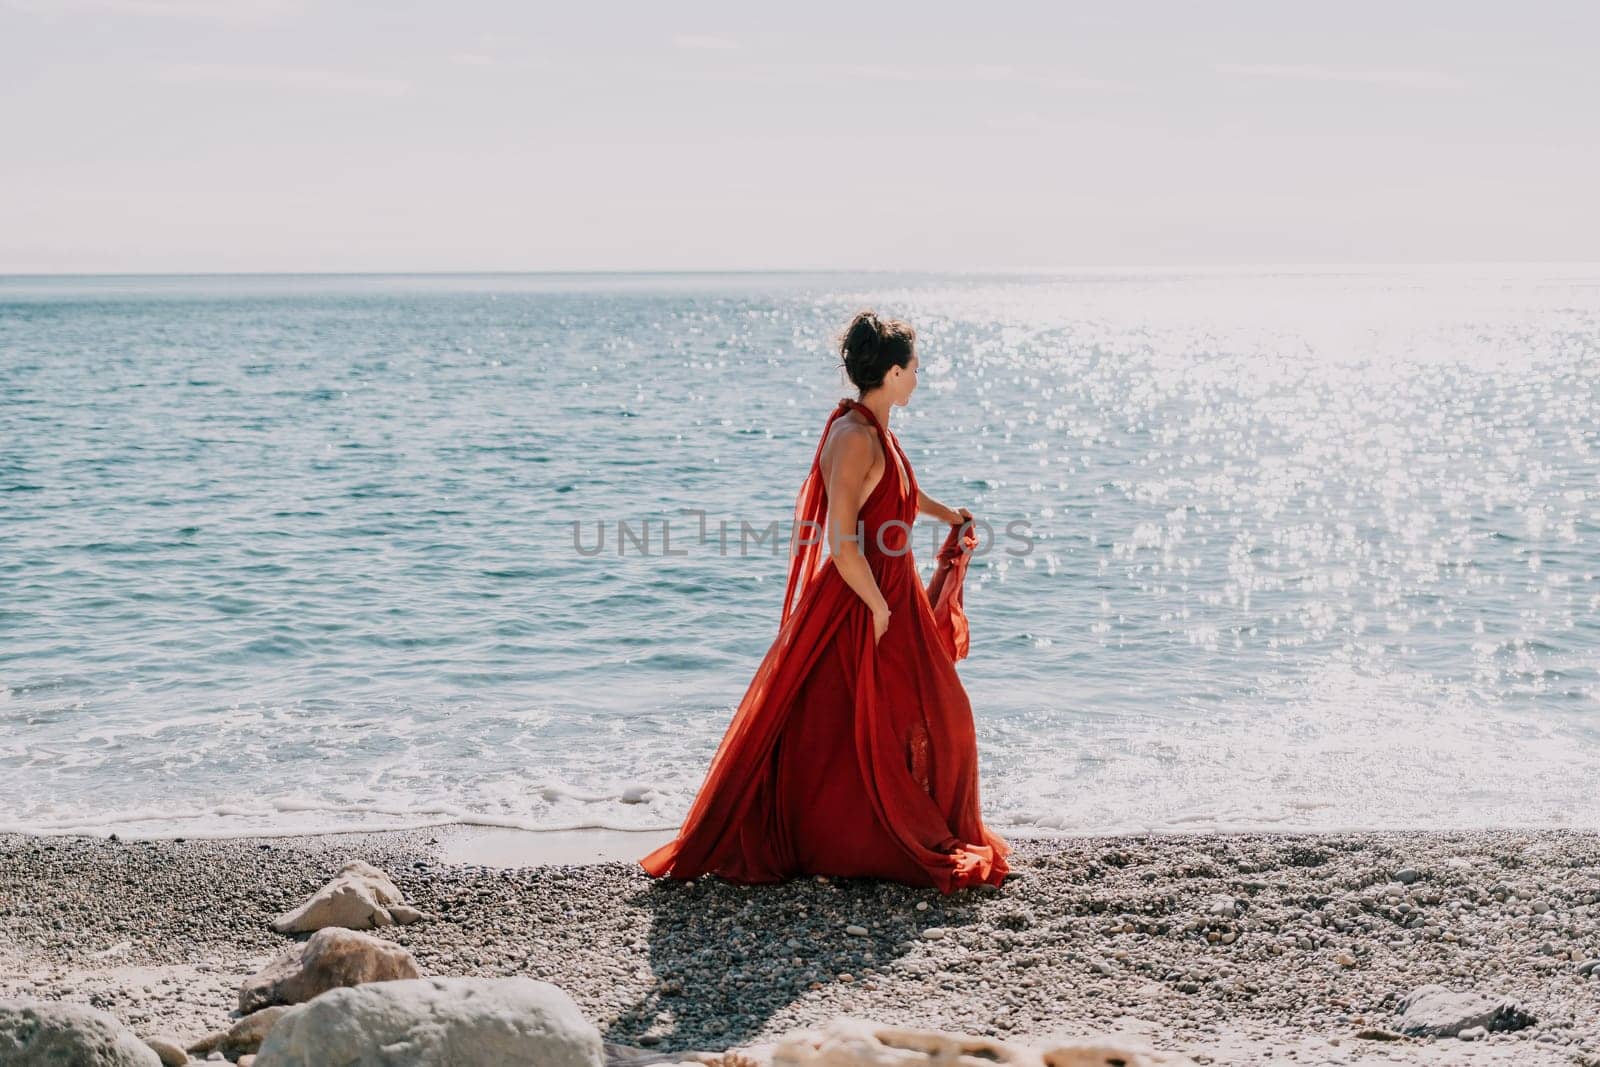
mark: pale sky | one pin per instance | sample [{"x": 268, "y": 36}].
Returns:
[{"x": 287, "y": 135}]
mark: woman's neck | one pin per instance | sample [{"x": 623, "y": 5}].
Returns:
[{"x": 879, "y": 405}]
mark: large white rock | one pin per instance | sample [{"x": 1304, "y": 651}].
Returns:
[
  {"x": 1434, "y": 1011},
  {"x": 436, "y": 1022},
  {"x": 360, "y": 897},
  {"x": 42, "y": 1033},
  {"x": 329, "y": 959}
]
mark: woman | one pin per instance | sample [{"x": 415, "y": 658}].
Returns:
[{"x": 853, "y": 752}]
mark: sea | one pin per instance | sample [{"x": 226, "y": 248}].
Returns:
[{"x": 1263, "y": 548}]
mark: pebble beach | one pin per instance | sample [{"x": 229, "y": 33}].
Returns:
[{"x": 1223, "y": 948}]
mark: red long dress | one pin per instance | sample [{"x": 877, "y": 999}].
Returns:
[{"x": 848, "y": 757}]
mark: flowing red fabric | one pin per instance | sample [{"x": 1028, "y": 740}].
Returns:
[
  {"x": 944, "y": 590},
  {"x": 851, "y": 757}
]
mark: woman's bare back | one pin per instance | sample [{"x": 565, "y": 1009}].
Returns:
[{"x": 853, "y": 422}]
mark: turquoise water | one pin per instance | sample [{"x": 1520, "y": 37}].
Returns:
[{"x": 1310, "y": 549}]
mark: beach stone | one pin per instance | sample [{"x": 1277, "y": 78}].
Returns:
[
  {"x": 1224, "y": 906},
  {"x": 244, "y": 1036},
  {"x": 846, "y": 1041},
  {"x": 1107, "y": 1053},
  {"x": 1377, "y": 1033},
  {"x": 1434, "y": 1011},
  {"x": 168, "y": 1048},
  {"x": 329, "y": 959},
  {"x": 360, "y": 897},
  {"x": 41, "y": 1033},
  {"x": 436, "y": 1022}
]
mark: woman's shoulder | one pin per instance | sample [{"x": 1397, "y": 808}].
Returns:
[
  {"x": 850, "y": 434},
  {"x": 850, "y": 444},
  {"x": 852, "y": 426}
]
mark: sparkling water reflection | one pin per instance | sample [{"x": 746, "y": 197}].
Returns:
[{"x": 1314, "y": 549}]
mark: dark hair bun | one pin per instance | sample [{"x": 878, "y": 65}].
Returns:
[{"x": 872, "y": 346}]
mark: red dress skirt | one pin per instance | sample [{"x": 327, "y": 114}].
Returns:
[{"x": 851, "y": 757}]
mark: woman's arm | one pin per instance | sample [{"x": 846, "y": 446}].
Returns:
[
  {"x": 926, "y": 505},
  {"x": 846, "y": 462}
]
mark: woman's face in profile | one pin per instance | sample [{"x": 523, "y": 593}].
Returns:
[{"x": 903, "y": 380}]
